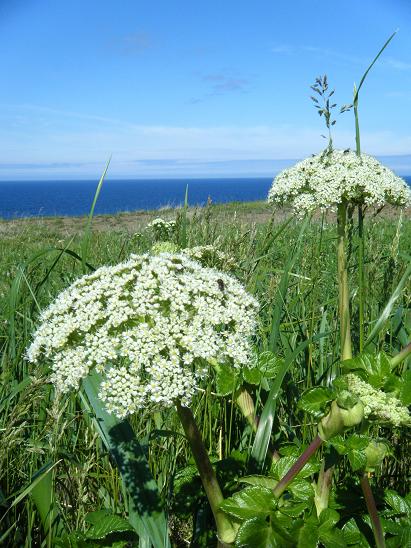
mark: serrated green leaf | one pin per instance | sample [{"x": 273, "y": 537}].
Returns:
[
  {"x": 252, "y": 375},
  {"x": 262, "y": 481},
  {"x": 397, "y": 503},
  {"x": 281, "y": 467},
  {"x": 226, "y": 380},
  {"x": 315, "y": 400},
  {"x": 249, "y": 503},
  {"x": 258, "y": 532},
  {"x": 301, "y": 489},
  {"x": 294, "y": 509},
  {"x": 328, "y": 519},
  {"x": 353, "y": 535},
  {"x": 374, "y": 368},
  {"x": 357, "y": 442},
  {"x": 358, "y": 459},
  {"x": 308, "y": 536},
  {"x": 108, "y": 525},
  {"x": 332, "y": 538},
  {"x": 338, "y": 442}
]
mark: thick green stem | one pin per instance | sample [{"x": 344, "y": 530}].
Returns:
[
  {"x": 323, "y": 488},
  {"x": 344, "y": 299},
  {"x": 297, "y": 466},
  {"x": 361, "y": 284},
  {"x": 401, "y": 356},
  {"x": 225, "y": 530},
  {"x": 372, "y": 510}
]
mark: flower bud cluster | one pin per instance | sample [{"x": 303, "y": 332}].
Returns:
[
  {"x": 328, "y": 179},
  {"x": 150, "y": 326},
  {"x": 163, "y": 230},
  {"x": 209, "y": 255},
  {"x": 378, "y": 404}
]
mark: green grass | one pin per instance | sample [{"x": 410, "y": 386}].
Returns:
[{"x": 54, "y": 470}]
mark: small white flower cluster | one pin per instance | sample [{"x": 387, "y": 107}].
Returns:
[
  {"x": 151, "y": 326},
  {"x": 378, "y": 404},
  {"x": 328, "y": 179},
  {"x": 209, "y": 255},
  {"x": 162, "y": 229},
  {"x": 164, "y": 247}
]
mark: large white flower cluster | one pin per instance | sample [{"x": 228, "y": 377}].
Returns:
[
  {"x": 328, "y": 179},
  {"x": 378, "y": 404},
  {"x": 151, "y": 326}
]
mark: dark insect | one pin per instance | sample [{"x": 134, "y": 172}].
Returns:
[{"x": 221, "y": 284}]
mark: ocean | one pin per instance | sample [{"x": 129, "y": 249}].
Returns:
[{"x": 56, "y": 198}]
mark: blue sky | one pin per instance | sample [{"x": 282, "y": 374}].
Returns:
[{"x": 189, "y": 88}]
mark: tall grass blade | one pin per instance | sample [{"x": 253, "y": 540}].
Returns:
[
  {"x": 265, "y": 425},
  {"x": 283, "y": 287},
  {"x": 145, "y": 509},
  {"x": 385, "y": 314},
  {"x": 43, "y": 497},
  {"x": 87, "y": 232}
]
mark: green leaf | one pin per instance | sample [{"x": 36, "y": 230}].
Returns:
[
  {"x": 265, "y": 425},
  {"x": 301, "y": 489},
  {"x": 328, "y": 519},
  {"x": 249, "y": 503},
  {"x": 397, "y": 503},
  {"x": 315, "y": 400},
  {"x": 357, "y": 442},
  {"x": 262, "y": 481},
  {"x": 338, "y": 442},
  {"x": 332, "y": 538},
  {"x": 107, "y": 525},
  {"x": 145, "y": 508},
  {"x": 358, "y": 459},
  {"x": 308, "y": 536},
  {"x": 353, "y": 535},
  {"x": 227, "y": 379},
  {"x": 252, "y": 375},
  {"x": 258, "y": 532},
  {"x": 281, "y": 467},
  {"x": 374, "y": 368}
]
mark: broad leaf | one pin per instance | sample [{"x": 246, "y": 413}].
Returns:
[
  {"x": 315, "y": 400},
  {"x": 258, "y": 532},
  {"x": 249, "y": 503},
  {"x": 227, "y": 379},
  {"x": 107, "y": 525}
]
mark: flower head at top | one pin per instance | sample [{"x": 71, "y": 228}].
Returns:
[
  {"x": 150, "y": 326},
  {"x": 331, "y": 178}
]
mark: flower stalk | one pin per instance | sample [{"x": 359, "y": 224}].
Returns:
[
  {"x": 372, "y": 510},
  {"x": 343, "y": 289},
  {"x": 297, "y": 466},
  {"x": 225, "y": 530}
]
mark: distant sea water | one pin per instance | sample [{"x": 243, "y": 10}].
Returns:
[{"x": 56, "y": 198}]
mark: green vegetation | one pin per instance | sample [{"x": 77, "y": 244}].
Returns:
[{"x": 64, "y": 481}]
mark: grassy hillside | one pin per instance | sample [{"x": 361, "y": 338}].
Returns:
[{"x": 292, "y": 274}]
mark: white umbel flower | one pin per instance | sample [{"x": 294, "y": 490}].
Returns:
[
  {"x": 151, "y": 326},
  {"x": 378, "y": 404},
  {"x": 328, "y": 179}
]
